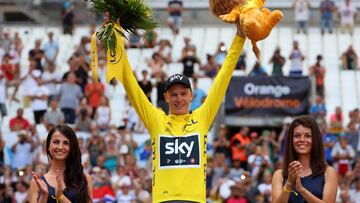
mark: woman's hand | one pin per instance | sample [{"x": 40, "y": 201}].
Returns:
[
  {"x": 294, "y": 171},
  {"x": 59, "y": 189},
  {"x": 298, "y": 186},
  {"x": 40, "y": 184}
]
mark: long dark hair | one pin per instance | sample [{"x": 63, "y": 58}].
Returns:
[
  {"x": 317, "y": 156},
  {"x": 74, "y": 176}
]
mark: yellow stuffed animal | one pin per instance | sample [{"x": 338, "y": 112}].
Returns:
[{"x": 255, "y": 21}]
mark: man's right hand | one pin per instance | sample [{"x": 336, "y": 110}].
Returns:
[{"x": 239, "y": 31}]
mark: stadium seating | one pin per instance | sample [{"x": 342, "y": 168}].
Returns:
[{"x": 342, "y": 87}]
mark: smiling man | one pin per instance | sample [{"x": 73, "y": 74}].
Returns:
[{"x": 179, "y": 139}]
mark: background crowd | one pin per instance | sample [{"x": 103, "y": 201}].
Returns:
[{"x": 116, "y": 148}]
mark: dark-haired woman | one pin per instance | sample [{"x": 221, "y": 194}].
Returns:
[
  {"x": 305, "y": 176},
  {"x": 65, "y": 182}
]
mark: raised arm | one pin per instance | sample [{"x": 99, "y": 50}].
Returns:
[
  {"x": 222, "y": 80},
  {"x": 146, "y": 111}
]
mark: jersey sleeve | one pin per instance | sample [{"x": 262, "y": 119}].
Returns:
[
  {"x": 146, "y": 111},
  {"x": 217, "y": 92}
]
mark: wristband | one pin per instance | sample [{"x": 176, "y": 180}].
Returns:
[
  {"x": 61, "y": 197},
  {"x": 286, "y": 189},
  {"x": 290, "y": 191}
]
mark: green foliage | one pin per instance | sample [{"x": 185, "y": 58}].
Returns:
[{"x": 132, "y": 14}]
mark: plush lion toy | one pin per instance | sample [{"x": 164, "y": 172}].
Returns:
[{"x": 256, "y": 22}]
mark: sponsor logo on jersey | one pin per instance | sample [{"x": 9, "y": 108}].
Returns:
[{"x": 179, "y": 152}]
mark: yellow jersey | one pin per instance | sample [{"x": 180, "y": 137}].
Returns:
[{"x": 179, "y": 141}]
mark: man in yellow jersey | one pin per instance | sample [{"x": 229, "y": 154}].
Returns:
[{"x": 179, "y": 139}]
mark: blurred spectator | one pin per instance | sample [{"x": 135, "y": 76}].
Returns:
[
  {"x": 199, "y": 95},
  {"x": 51, "y": 49},
  {"x": 355, "y": 192},
  {"x": 164, "y": 49},
  {"x": 211, "y": 67},
  {"x": 2, "y": 153},
  {"x": 111, "y": 155},
  {"x": 175, "y": 8},
  {"x": 84, "y": 108},
  {"x": 220, "y": 54},
  {"x": 156, "y": 63},
  {"x": 342, "y": 154},
  {"x": 354, "y": 141},
  {"x": 353, "y": 125},
  {"x": 329, "y": 141},
  {"x": 189, "y": 59},
  {"x": 236, "y": 172},
  {"x": 67, "y": 18},
  {"x": 37, "y": 54},
  {"x": 237, "y": 194},
  {"x": 82, "y": 49},
  {"x": 120, "y": 177},
  {"x": 278, "y": 62},
  {"x": 19, "y": 122},
  {"x": 327, "y": 8},
  {"x": 53, "y": 116},
  {"x": 5, "y": 197},
  {"x": 103, "y": 114},
  {"x": 22, "y": 150},
  {"x": 349, "y": 59},
  {"x": 20, "y": 195},
  {"x": 283, "y": 134},
  {"x": 102, "y": 192},
  {"x": 39, "y": 100},
  {"x": 82, "y": 72},
  {"x": 296, "y": 57},
  {"x": 241, "y": 63},
  {"x": 347, "y": 15},
  {"x": 265, "y": 187},
  {"x": 220, "y": 168},
  {"x": 51, "y": 78},
  {"x": 133, "y": 40},
  {"x": 94, "y": 90},
  {"x": 95, "y": 146},
  {"x": 8, "y": 69},
  {"x": 18, "y": 44},
  {"x": 258, "y": 70},
  {"x": 145, "y": 84},
  {"x": 238, "y": 145},
  {"x": 221, "y": 143},
  {"x": 69, "y": 94},
  {"x": 160, "y": 86},
  {"x": 6, "y": 42},
  {"x": 257, "y": 160},
  {"x": 3, "y": 90},
  {"x": 336, "y": 121},
  {"x": 188, "y": 46},
  {"x": 302, "y": 14},
  {"x": 125, "y": 193},
  {"x": 318, "y": 71},
  {"x": 318, "y": 110},
  {"x": 83, "y": 122},
  {"x": 41, "y": 158},
  {"x": 270, "y": 145},
  {"x": 29, "y": 81},
  {"x": 150, "y": 39}
]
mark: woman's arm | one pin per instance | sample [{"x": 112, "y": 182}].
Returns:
[
  {"x": 90, "y": 185},
  {"x": 278, "y": 193},
  {"x": 329, "y": 191},
  {"x": 33, "y": 193}
]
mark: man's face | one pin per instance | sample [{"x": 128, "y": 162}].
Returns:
[{"x": 179, "y": 97}]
